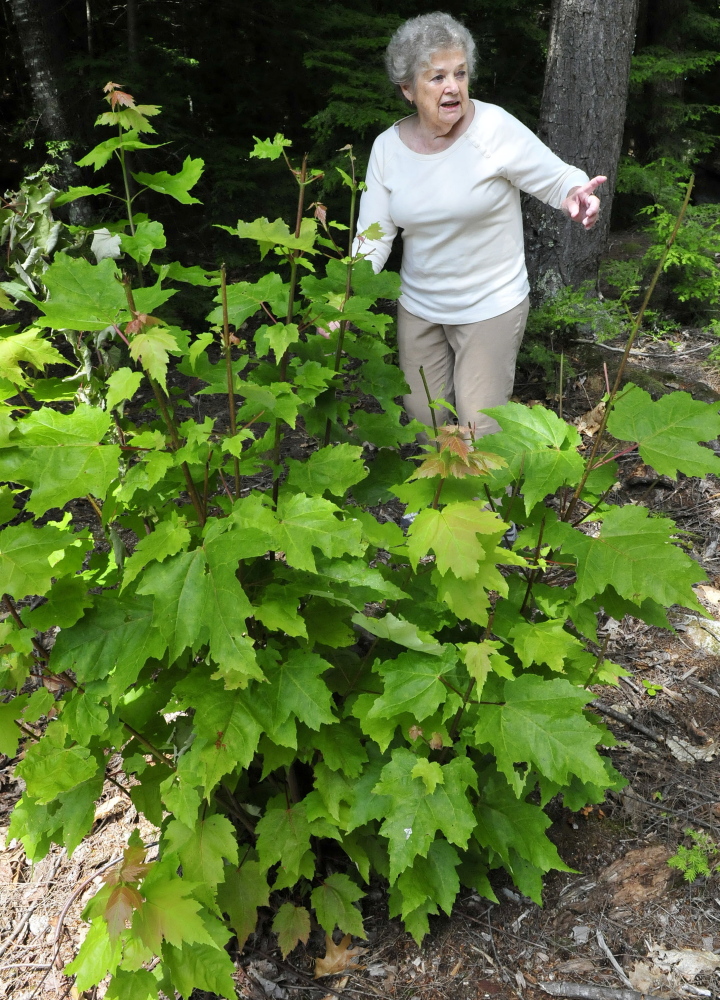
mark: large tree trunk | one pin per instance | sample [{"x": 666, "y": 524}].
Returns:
[
  {"x": 581, "y": 118},
  {"x": 36, "y": 56}
]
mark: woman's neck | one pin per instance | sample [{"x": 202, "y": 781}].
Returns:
[{"x": 423, "y": 137}]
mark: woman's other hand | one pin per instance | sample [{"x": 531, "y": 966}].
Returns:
[
  {"x": 332, "y": 326},
  {"x": 582, "y": 205}
]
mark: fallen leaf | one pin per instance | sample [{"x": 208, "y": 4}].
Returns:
[
  {"x": 688, "y": 753},
  {"x": 589, "y": 423},
  {"x": 338, "y": 957},
  {"x": 339, "y": 987},
  {"x": 686, "y": 962}
]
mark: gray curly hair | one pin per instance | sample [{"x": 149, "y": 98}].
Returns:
[{"x": 414, "y": 42}]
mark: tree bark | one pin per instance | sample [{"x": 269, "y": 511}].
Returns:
[
  {"x": 38, "y": 63},
  {"x": 582, "y": 115}
]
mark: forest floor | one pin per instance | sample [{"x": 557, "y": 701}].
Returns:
[{"x": 622, "y": 917}]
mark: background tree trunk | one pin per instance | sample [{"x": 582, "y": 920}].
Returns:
[
  {"x": 581, "y": 118},
  {"x": 28, "y": 18}
]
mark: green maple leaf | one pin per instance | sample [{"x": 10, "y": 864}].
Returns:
[
  {"x": 276, "y": 338},
  {"x": 226, "y": 611},
  {"x": 28, "y": 347},
  {"x": 200, "y": 967},
  {"x": 507, "y": 824},
  {"x": 83, "y": 296},
  {"x": 179, "y": 589},
  {"x": 283, "y": 834},
  {"x": 8, "y": 510},
  {"x": 539, "y": 445},
  {"x": 668, "y": 430},
  {"x": 148, "y": 236},
  {"x": 114, "y": 639},
  {"x": 291, "y": 924},
  {"x": 431, "y": 882},
  {"x": 333, "y": 469},
  {"x": 544, "y": 642},
  {"x": 634, "y": 553},
  {"x": 245, "y": 298},
  {"x": 413, "y": 816},
  {"x": 9, "y": 730},
  {"x": 384, "y": 285},
  {"x": 469, "y": 598},
  {"x": 122, "y": 384},
  {"x": 412, "y": 684},
  {"x": 225, "y": 719},
  {"x": 84, "y": 716},
  {"x": 270, "y": 149},
  {"x": 194, "y": 275},
  {"x": 103, "y": 152},
  {"x": 176, "y": 185},
  {"x": 28, "y": 557},
  {"x": 541, "y": 724},
  {"x": 333, "y": 903},
  {"x": 168, "y": 912},
  {"x": 481, "y": 659},
  {"x": 295, "y": 689},
  {"x": 82, "y": 191},
  {"x": 151, "y": 348},
  {"x": 402, "y": 632},
  {"x": 305, "y": 523},
  {"x": 76, "y": 813},
  {"x": 136, "y": 985},
  {"x": 341, "y": 748},
  {"x": 242, "y": 892},
  {"x": 201, "y": 851},
  {"x": 452, "y": 534},
  {"x": 97, "y": 956},
  {"x": 168, "y": 538},
  {"x": 60, "y": 456},
  {"x": 276, "y": 234},
  {"x": 49, "y": 768}
]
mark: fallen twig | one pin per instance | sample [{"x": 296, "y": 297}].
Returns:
[
  {"x": 703, "y": 687},
  {"x": 673, "y": 812},
  {"x": 17, "y": 930},
  {"x": 582, "y": 992},
  {"x": 611, "y": 958},
  {"x": 643, "y": 354},
  {"x": 613, "y": 713}
]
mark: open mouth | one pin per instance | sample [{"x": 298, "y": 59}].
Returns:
[{"x": 450, "y": 104}]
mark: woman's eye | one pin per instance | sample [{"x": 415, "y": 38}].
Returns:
[{"x": 461, "y": 74}]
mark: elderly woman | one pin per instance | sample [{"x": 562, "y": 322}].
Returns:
[{"x": 450, "y": 177}]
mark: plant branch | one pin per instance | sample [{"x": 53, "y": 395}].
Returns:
[
  {"x": 626, "y": 354},
  {"x": 229, "y": 372}
]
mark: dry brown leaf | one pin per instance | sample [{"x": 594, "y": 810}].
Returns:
[
  {"x": 589, "y": 423},
  {"x": 339, "y": 987},
  {"x": 337, "y": 958}
]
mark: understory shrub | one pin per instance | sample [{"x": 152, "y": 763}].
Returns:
[{"x": 300, "y": 696}]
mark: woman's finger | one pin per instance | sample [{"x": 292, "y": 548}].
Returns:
[{"x": 595, "y": 182}]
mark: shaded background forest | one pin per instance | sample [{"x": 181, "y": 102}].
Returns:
[{"x": 226, "y": 71}]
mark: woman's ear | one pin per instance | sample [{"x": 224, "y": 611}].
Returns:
[{"x": 407, "y": 93}]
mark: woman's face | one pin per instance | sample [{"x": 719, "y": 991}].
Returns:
[{"x": 440, "y": 92}]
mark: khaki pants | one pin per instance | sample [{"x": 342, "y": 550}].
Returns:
[{"x": 471, "y": 366}]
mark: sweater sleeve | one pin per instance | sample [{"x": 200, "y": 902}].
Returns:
[
  {"x": 531, "y": 166},
  {"x": 375, "y": 207}
]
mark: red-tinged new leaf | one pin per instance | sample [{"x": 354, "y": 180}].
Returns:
[
  {"x": 292, "y": 924},
  {"x": 123, "y": 901},
  {"x": 169, "y": 913}
]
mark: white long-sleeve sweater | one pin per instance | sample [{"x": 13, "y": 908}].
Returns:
[{"x": 459, "y": 209}]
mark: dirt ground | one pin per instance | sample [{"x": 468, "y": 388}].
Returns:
[{"x": 623, "y": 919}]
